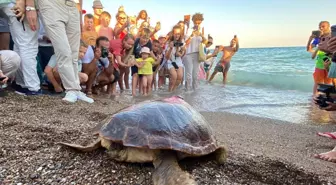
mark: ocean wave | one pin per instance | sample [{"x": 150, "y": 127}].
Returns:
[{"x": 301, "y": 81}]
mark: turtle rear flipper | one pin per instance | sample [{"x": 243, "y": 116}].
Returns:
[{"x": 89, "y": 148}]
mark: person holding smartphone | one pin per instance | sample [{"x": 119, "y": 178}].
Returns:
[
  {"x": 320, "y": 74},
  {"x": 331, "y": 155},
  {"x": 174, "y": 51},
  {"x": 193, "y": 39}
]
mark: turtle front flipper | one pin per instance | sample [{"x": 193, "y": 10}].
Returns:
[
  {"x": 168, "y": 172},
  {"x": 89, "y": 148}
]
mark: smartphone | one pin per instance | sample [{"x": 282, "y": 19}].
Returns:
[
  {"x": 326, "y": 59},
  {"x": 317, "y": 33},
  {"x": 333, "y": 30},
  {"x": 2, "y": 78},
  {"x": 18, "y": 19}
]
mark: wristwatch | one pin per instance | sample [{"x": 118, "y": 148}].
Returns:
[{"x": 30, "y": 8}]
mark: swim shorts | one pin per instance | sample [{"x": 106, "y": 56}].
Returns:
[{"x": 222, "y": 67}]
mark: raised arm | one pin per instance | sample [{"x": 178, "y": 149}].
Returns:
[
  {"x": 309, "y": 45},
  {"x": 156, "y": 29},
  {"x": 119, "y": 29},
  {"x": 237, "y": 44}
]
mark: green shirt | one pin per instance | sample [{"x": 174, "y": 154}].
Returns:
[{"x": 319, "y": 59}]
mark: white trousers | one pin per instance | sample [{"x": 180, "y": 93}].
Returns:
[
  {"x": 191, "y": 70},
  {"x": 61, "y": 21},
  {"x": 26, "y": 45}
]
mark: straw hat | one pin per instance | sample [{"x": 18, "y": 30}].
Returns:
[{"x": 97, "y": 4}]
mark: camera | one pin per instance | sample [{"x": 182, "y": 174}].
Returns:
[
  {"x": 178, "y": 44},
  {"x": 322, "y": 99},
  {"x": 104, "y": 52}
]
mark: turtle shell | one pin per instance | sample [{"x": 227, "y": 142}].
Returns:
[{"x": 169, "y": 123}]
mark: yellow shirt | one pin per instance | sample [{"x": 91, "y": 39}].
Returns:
[{"x": 147, "y": 69}]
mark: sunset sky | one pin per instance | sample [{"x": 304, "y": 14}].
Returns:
[{"x": 258, "y": 23}]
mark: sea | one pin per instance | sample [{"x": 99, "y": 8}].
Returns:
[{"x": 273, "y": 83}]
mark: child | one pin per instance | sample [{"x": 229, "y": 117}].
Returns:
[
  {"x": 145, "y": 65},
  {"x": 103, "y": 29},
  {"x": 89, "y": 34},
  {"x": 53, "y": 75},
  {"x": 139, "y": 43}
]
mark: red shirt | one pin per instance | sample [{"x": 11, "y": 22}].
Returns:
[
  {"x": 122, "y": 35},
  {"x": 116, "y": 48}
]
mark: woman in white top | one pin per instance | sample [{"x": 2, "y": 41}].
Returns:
[
  {"x": 193, "y": 38},
  {"x": 174, "y": 51}
]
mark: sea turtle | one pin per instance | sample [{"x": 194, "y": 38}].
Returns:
[{"x": 162, "y": 132}]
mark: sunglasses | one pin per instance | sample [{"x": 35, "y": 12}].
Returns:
[
  {"x": 122, "y": 17},
  {"x": 209, "y": 42}
]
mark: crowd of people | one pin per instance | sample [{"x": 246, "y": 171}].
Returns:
[
  {"x": 92, "y": 58},
  {"x": 322, "y": 45}
]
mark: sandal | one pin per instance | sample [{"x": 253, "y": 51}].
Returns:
[{"x": 331, "y": 135}]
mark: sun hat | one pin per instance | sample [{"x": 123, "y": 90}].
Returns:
[
  {"x": 145, "y": 50},
  {"x": 97, "y": 4}
]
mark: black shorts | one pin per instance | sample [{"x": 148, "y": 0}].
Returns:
[{"x": 134, "y": 70}]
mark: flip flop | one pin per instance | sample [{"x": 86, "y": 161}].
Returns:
[{"x": 327, "y": 134}]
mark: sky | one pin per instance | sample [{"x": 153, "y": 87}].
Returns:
[{"x": 257, "y": 23}]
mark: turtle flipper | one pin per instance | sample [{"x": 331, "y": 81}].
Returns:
[{"x": 89, "y": 148}]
